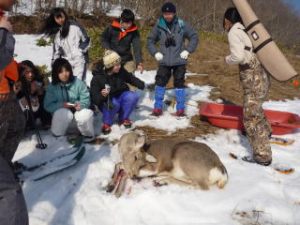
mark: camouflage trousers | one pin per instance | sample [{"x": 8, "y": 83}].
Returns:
[
  {"x": 12, "y": 125},
  {"x": 256, "y": 83}
]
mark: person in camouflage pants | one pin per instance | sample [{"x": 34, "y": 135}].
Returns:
[{"x": 256, "y": 83}]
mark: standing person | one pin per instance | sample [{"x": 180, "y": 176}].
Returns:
[
  {"x": 70, "y": 41},
  {"x": 68, "y": 99},
  {"x": 110, "y": 91},
  {"x": 121, "y": 36},
  {"x": 32, "y": 87},
  {"x": 13, "y": 209},
  {"x": 255, "y": 82},
  {"x": 171, "y": 32}
]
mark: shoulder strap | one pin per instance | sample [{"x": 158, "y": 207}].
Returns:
[{"x": 247, "y": 48}]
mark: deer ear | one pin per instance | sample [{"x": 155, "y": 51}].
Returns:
[
  {"x": 139, "y": 132},
  {"x": 140, "y": 142},
  {"x": 150, "y": 158}
]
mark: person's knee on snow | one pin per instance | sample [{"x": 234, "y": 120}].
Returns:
[
  {"x": 84, "y": 121},
  {"x": 60, "y": 121}
]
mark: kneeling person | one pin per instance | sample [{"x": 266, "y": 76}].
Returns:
[
  {"x": 68, "y": 98},
  {"x": 110, "y": 92}
]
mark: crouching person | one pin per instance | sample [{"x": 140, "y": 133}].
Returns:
[
  {"x": 33, "y": 89},
  {"x": 68, "y": 99},
  {"x": 110, "y": 92}
]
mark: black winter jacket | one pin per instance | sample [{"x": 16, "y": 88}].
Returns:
[
  {"x": 117, "y": 82},
  {"x": 111, "y": 40}
]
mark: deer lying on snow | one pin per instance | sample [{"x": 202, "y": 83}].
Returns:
[{"x": 171, "y": 161}]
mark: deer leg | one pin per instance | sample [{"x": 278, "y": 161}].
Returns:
[
  {"x": 202, "y": 185},
  {"x": 148, "y": 170},
  {"x": 167, "y": 179},
  {"x": 121, "y": 187},
  {"x": 111, "y": 185}
]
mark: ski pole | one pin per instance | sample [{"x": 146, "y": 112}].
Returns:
[
  {"x": 107, "y": 87},
  {"x": 40, "y": 144}
]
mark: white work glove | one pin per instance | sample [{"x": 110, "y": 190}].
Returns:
[
  {"x": 158, "y": 56},
  {"x": 184, "y": 54}
]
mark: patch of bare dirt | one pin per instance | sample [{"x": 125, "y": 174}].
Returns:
[{"x": 209, "y": 59}]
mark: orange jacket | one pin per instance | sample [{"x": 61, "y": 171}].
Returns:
[
  {"x": 122, "y": 34},
  {"x": 9, "y": 73}
]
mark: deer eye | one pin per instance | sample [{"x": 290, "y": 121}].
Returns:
[{"x": 135, "y": 158}]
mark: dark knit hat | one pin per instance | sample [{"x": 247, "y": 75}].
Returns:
[
  {"x": 127, "y": 16},
  {"x": 168, "y": 7}
]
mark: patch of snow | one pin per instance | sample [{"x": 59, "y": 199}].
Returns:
[{"x": 254, "y": 194}]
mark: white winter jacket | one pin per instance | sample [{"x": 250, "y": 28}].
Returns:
[
  {"x": 238, "y": 41},
  {"x": 69, "y": 48}
]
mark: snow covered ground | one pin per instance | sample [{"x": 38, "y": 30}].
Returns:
[{"x": 253, "y": 195}]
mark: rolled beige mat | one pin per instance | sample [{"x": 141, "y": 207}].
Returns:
[{"x": 265, "y": 48}]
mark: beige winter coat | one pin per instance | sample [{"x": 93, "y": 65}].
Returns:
[{"x": 238, "y": 40}]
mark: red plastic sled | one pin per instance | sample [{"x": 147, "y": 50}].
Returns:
[{"x": 231, "y": 116}]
